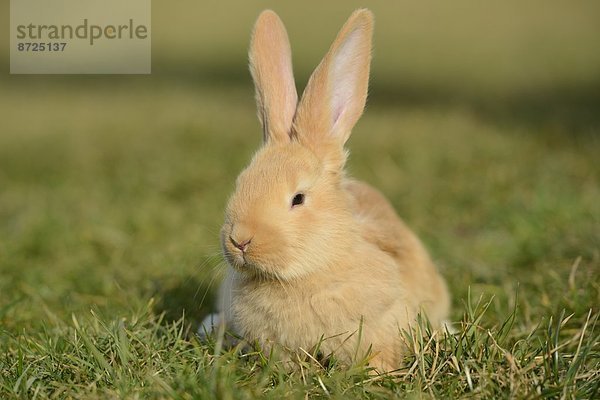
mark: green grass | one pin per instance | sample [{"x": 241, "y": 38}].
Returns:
[{"x": 112, "y": 192}]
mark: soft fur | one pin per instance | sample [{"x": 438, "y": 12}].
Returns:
[{"x": 341, "y": 261}]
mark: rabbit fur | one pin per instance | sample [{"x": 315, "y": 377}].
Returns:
[{"x": 337, "y": 258}]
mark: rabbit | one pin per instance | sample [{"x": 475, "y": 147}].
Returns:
[{"x": 313, "y": 253}]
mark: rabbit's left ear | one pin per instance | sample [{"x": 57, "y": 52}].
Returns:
[
  {"x": 271, "y": 68},
  {"x": 336, "y": 93}
]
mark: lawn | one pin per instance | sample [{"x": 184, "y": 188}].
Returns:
[{"x": 482, "y": 128}]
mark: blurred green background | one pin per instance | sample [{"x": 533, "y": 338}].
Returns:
[{"x": 482, "y": 128}]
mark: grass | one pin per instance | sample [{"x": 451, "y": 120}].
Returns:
[{"x": 112, "y": 192}]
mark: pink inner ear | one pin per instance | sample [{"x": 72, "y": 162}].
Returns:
[
  {"x": 343, "y": 75},
  {"x": 337, "y": 112}
]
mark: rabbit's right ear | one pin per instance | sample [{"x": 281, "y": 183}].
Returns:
[
  {"x": 271, "y": 68},
  {"x": 335, "y": 95}
]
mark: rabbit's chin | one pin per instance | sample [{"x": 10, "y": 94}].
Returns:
[
  {"x": 245, "y": 265},
  {"x": 249, "y": 268},
  {"x": 236, "y": 260},
  {"x": 253, "y": 271}
]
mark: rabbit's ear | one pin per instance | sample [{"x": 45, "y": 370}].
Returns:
[
  {"x": 271, "y": 68},
  {"x": 336, "y": 93}
]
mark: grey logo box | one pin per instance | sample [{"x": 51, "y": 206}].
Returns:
[{"x": 80, "y": 37}]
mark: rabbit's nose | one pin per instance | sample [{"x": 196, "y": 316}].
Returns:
[{"x": 240, "y": 244}]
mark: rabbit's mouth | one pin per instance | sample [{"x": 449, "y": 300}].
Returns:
[
  {"x": 248, "y": 255},
  {"x": 232, "y": 255},
  {"x": 235, "y": 257},
  {"x": 240, "y": 260},
  {"x": 244, "y": 263}
]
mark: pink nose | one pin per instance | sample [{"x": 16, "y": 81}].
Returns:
[{"x": 242, "y": 245}]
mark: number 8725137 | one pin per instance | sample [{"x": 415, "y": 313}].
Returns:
[{"x": 34, "y": 46}]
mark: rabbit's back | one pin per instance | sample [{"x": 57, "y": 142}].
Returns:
[{"x": 380, "y": 225}]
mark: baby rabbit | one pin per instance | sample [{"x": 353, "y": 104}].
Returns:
[{"x": 314, "y": 253}]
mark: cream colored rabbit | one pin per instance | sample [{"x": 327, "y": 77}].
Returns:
[{"x": 312, "y": 252}]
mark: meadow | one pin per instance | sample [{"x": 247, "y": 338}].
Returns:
[{"x": 482, "y": 128}]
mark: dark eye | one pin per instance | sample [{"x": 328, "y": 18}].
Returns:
[{"x": 298, "y": 199}]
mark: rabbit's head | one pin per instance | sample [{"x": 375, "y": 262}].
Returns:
[{"x": 289, "y": 214}]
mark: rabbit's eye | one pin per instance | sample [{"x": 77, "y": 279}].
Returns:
[{"x": 298, "y": 199}]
